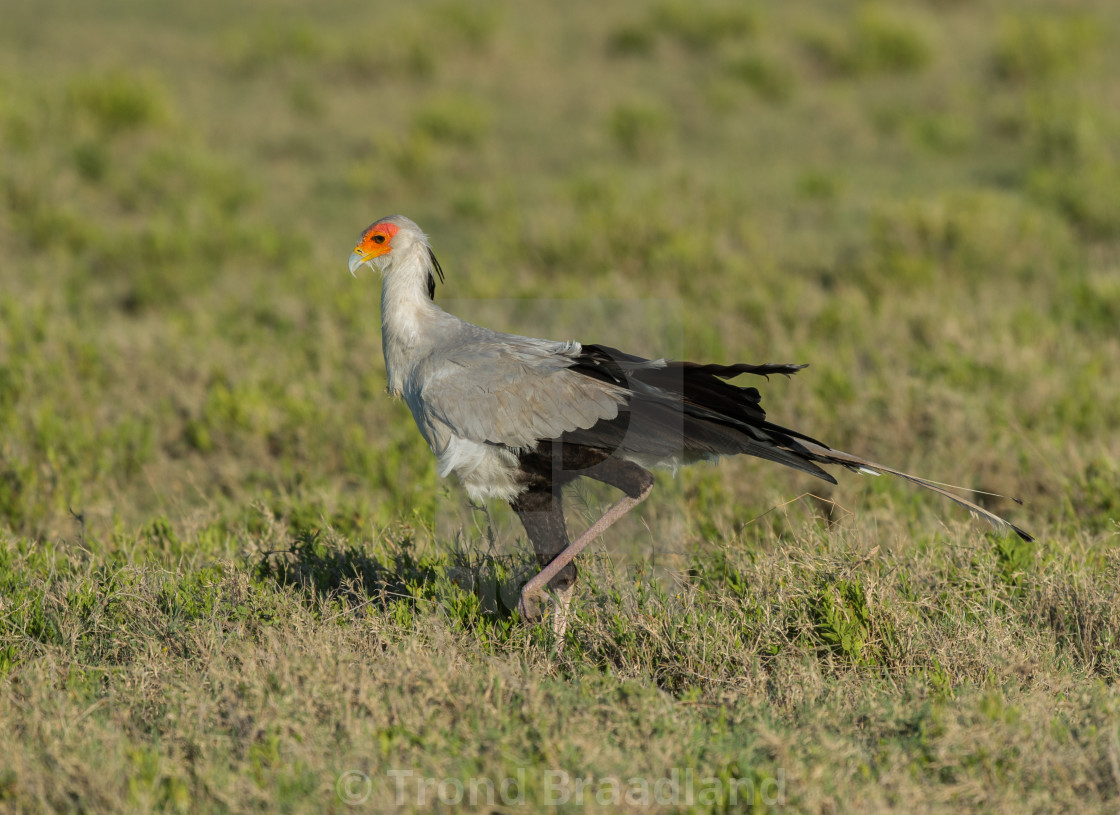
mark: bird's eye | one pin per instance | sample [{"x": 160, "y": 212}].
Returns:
[{"x": 379, "y": 239}]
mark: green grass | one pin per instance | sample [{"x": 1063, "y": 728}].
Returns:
[{"x": 229, "y": 577}]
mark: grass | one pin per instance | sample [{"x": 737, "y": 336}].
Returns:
[{"x": 229, "y": 577}]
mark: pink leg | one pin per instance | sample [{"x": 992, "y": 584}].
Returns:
[{"x": 624, "y": 505}]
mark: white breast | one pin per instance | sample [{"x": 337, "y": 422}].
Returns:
[{"x": 486, "y": 470}]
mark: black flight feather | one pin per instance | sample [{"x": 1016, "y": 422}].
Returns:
[{"x": 690, "y": 411}]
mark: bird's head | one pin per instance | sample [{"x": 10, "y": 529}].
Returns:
[{"x": 396, "y": 242}]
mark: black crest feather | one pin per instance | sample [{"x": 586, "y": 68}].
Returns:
[{"x": 431, "y": 278}]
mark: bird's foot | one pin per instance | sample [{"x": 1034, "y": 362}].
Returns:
[
  {"x": 533, "y": 603},
  {"x": 530, "y": 605}
]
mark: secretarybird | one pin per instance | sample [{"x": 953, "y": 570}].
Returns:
[{"x": 516, "y": 418}]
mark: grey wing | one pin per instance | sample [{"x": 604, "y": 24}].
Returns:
[{"x": 514, "y": 391}]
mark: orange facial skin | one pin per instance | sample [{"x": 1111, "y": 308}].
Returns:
[{"x": 376, "y": 241}]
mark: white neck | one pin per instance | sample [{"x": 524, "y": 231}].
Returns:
[{"x": 408, "y": 314}]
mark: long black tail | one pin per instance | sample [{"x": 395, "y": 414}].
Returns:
[
  {"x": 830, "y": 456},
  {"x": 682, "y": 411}
]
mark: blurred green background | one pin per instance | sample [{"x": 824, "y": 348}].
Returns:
[{"x": 921, "y": 199}]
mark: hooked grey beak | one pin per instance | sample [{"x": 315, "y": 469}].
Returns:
[{"x": 356, "y": 260}]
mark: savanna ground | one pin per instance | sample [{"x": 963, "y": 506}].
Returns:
[{"x": 229, "y": 577}]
